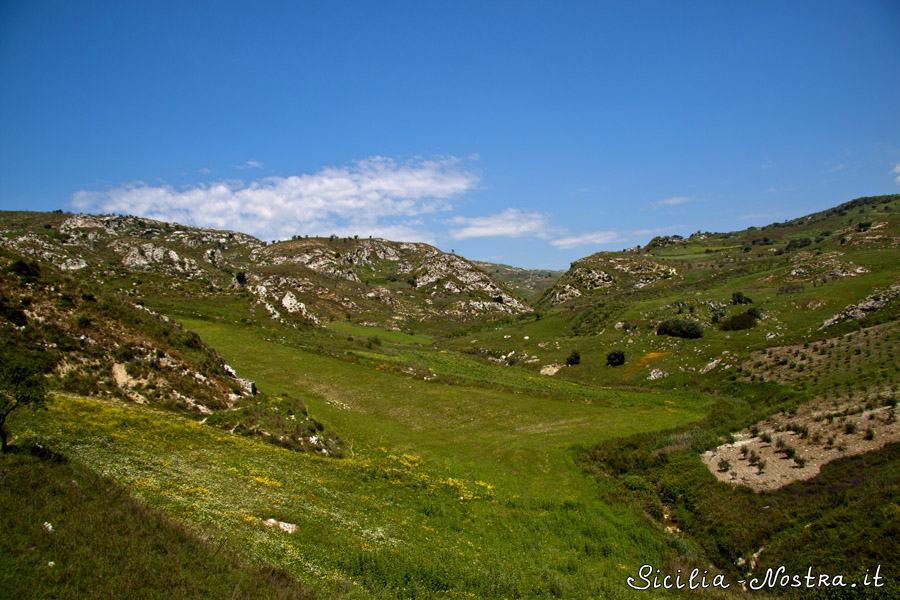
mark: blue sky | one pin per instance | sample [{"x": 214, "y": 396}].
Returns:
[{"x": 530, "y": 133}]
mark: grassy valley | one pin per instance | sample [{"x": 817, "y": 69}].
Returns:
[{"x": 371, "y": 419}]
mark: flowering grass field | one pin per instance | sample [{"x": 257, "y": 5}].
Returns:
[{"x": 446, "y": 492}]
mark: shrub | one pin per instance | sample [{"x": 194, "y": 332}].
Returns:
[
  {"x": 740, "y": 298},
  {"x": 744, "y": 320},
  {"x": 636, "y": 483},
  {"x": 16, "y": 316},
  {"x": 797, "y": 244},
  {"x": 680, "y": 328},
  {"x": 574, "y": 358},
  {"x": 724, "y": 465},
  {"x": 28, "y": 271},
  {"x": 21, "y": 384},
  {"x": 754, "y": 458},
  {"x": 615, "y": 358}
]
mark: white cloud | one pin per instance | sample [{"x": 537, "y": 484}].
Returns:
[
  {"x": 250, "y": 164},
  {"x": 350, "y": 199},
  {"x": 595, "y": 238},
  {"x": 673, "y": 201},
  {"x": 897, "y": 171},
  {"x": 512, "y": 222}
]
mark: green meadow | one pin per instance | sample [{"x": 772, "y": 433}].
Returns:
[{"x": 450, "y": 491}]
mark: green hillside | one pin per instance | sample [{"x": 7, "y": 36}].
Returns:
[{"x": 428, "y": 427}]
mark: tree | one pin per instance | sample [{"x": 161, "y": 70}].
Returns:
[
  {"x": 615, "y": 358},
  {"x": 680, "y": 328},
  {"x": 21, "y": 384},
  {"x": 744, "y": 320},
  {"x": 574, "y": 358}
]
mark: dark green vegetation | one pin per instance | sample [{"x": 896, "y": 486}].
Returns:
[
  {"x": 69, "y": 533},
  {"x": 421, "y": 433},
  {"x": 21, "y": 385},
  {"x": 680, "y": 328},
  {"x": 615, "y": 358},
  {"x": 744, "y": 320}
]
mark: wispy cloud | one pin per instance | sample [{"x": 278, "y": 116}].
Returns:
[
  {"x": 595, "y": 238},
  {"x": 580, "y": 191},
  {"x": 896, "y": 170},
  {"x": 673, "y": 201},
  {"x": 355, "y": 199},
  {"x": 250, "y": 164},
  {"x": 512, "y": 222},
  {"x": 837, "y": 168}
]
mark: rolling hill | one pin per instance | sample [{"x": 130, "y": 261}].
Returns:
[{"x": 425, "y": 426}]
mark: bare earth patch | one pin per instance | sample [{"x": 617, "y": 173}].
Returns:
[{"x": 794, "y": 447}]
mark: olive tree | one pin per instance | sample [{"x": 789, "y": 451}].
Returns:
[{"x": 21, "y": 384}]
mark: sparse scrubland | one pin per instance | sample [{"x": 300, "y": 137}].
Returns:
[{"x": 371, "y": 419}]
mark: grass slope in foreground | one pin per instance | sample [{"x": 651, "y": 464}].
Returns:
[
  {"x": 69, "y": 533},
  {"x": 450, "y": 492}
]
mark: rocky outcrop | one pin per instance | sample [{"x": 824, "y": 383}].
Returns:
[
  {"x": 292, "y": 305},
  {"x": 149, "y": 256},
  {"x": 858, "y": 311},
  {"x": 449, "y": 273},
  {"x": 421, "y": 280},
  {"x": 825, "y": 267},
  {"x": 606, "y": 273}
]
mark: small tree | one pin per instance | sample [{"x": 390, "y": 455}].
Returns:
[
  {"x": 21, "y": 384},
  {"x": 680, "y": 328},
  {"x": 744, "y": 320},
  {"x": 574, "y": 358},
  {"x": 615, "y": 358},
  {"x": 740, "y": 298}
]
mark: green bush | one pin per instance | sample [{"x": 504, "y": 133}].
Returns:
[
  {"x": 574, "y": 358},
  {"x": 636, "y": 483},
  {"x": 680, "y": 328},
  {"x": 744, "y": 320},
  {"x": 16, "y": 316},
  {"x": 28, "y": 271},
  {"x": 797, "y": 244},
  {"x": 738, "y": 298},
  {"x": 615, "y": 358}
]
